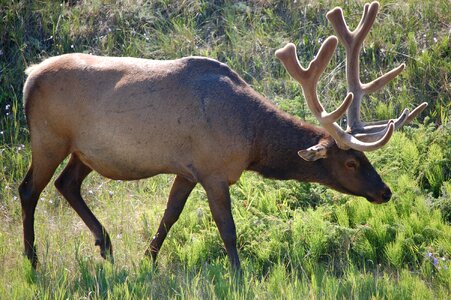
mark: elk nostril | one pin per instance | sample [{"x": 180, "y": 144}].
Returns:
[{"x": 386, "y": 195}]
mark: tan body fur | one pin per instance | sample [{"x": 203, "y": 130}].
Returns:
[{"x": 131, "y": 118}]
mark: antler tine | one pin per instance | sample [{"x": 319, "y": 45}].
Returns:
[
  {"x": 374, "y": 132},
  {"x": 380, "y": 82},
  {"x": 379, "y": 127},
  {"x": 335, "y": 16},
  {"x": 374, "y": 136},
  {"x": 416, "y": 112},
  {"x": 360, "y": 145},
  {"x": 376, "y": 126},
  {"x": 364, "y": 15},
  {"x": 367, "y": 21},
  {"x": 287, "y": 55},
  {"x": 308, "y": 78}
]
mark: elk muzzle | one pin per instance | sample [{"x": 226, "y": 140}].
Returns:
[{"x": 382, "y": 197}]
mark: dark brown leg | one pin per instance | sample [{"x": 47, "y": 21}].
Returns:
[
  {"x": 220, "y": 206},
  {"x": 29, "y": 196},
  {"x": 69, "y": 184},
  {"x": 180, "y": 191},
  {"x": 39, "y": 174}
]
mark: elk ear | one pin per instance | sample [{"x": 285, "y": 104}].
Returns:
[{"x": 313, "y": 153}]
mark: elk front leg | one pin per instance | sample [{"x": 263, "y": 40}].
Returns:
[
  {"x": 180, "y": 191},
  {"x": 220, "y": 206}
]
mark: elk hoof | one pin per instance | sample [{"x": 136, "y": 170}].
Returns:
[
  {"x": 32, "y": 257},
  {"x": 152, "y": 251},
  {"x": 106, "y": 250}
]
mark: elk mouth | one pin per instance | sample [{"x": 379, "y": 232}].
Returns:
[
  {"x": 384, "y": 196},
  {"x": 375, "y": 201}
]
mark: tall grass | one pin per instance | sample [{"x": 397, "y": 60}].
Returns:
[{"x": 295, "y": 240}]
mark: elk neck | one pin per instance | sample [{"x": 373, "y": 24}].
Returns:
[{"x": 278, "y": 138}]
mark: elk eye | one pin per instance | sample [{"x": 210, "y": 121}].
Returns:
[{"x": 352, "y": 164}]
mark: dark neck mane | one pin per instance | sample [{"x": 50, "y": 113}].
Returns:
[{"x": 276, "y": 145}]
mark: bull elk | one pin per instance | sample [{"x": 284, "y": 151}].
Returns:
[{"x": 194, "y": 117}]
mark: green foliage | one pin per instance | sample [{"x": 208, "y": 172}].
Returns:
[
  {"x": 423, "y": 152},
  {"x": 295, "y": 240},
  {"x": 443, "y": 202}
]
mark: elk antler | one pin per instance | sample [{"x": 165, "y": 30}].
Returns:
[
  {"x": 352, "y": 41},
  {"x": 308, "y": 78}
]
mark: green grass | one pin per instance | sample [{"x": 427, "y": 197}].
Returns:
[{"x": 295, "y": 240}]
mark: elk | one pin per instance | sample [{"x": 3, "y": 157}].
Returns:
[{"x": 130, "y": 118}]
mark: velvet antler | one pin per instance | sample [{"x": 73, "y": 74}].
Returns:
[
  {"x": 352, "y": 41},
  {"x": 359, "y": 135}
]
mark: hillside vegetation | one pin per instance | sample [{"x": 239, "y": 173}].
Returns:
[{"x": 296, "y": 240}]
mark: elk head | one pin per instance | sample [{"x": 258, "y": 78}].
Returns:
[{"x": 343, "y": 158}]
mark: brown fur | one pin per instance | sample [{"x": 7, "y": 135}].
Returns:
[{"x": 129, "y": 118}]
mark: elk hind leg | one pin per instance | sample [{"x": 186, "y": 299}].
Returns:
[
  {"x": 69, "y": 185},
  {"x": 43, "y": 165}
]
